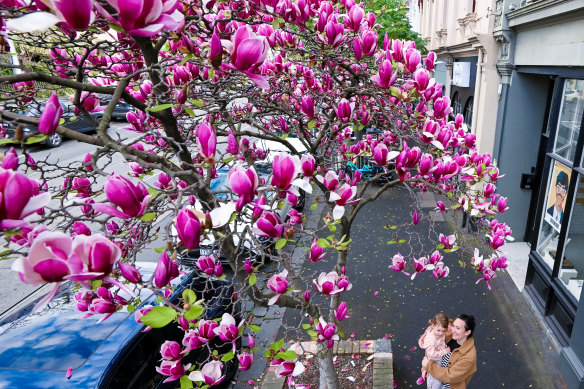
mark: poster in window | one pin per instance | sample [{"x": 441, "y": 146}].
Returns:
[{"x": 558, "y": 191}]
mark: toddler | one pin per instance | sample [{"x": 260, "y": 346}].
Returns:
[{"x": 433, "y": 341}]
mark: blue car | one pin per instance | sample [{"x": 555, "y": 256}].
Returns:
[{"x": 37, "y": 349}]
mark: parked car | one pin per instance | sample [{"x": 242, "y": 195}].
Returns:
[
  {"x": 37, "y": 349},
  {"x": 76, "y": 123},
  {"x": 120, "y": 110}
]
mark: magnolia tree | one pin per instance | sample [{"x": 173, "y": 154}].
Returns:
[{"x": 210, "y": 82}]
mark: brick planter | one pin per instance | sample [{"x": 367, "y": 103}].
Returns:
[{"x": 382, "y": 360}]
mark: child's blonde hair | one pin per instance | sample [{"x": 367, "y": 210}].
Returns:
[{"x": 441, "y": 320}]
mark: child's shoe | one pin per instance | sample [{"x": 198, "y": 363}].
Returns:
[{"x": 421, "y": 380}]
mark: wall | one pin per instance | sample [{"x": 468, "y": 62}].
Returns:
[
  {"x": 559, "y": 44},
  {"x": 520, "y": 136}
]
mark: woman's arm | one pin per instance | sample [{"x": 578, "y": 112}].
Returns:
[{"x": 457, "y": 372}]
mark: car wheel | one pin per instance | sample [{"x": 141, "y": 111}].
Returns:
[{"x": 54, "y": 140}]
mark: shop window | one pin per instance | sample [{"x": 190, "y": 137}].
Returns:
[
  {"x": 468, "y": 112},
  {"x": 456, "y": 104},
  {"x": 572, "y": 265},
  {"x": 570, "y": 119},
  {"x": 552, "y": 218}
]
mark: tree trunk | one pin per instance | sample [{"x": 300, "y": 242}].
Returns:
[{"x": 328, "y": 376}]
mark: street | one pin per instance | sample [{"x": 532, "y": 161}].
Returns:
[{"x": 12, "y": 289}]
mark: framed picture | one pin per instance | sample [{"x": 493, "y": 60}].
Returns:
[{"x": 556, "y": 197}]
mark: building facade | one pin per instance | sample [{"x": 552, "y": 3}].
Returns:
[
  {"x": 460, "y": 32},
  {"x": 539, "y": 144}
]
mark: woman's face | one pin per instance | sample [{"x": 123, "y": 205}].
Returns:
[
  {"x": 438, "y": 330},
  {"x": 459, "y": 330}
]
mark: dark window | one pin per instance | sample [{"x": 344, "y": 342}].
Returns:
[
  {"x": 456, "y": 104},
  {"x": 468, "y": 111}
]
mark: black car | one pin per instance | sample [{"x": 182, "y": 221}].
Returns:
[
  {"x": 37, "y": 349},
  {"x": 76, "y": 123},
  {"x": 120, "y": 110}
]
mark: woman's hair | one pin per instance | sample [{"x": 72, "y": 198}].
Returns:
[
  {"x": 440, "y": 319},
  {"x": 469, "y": 323}
]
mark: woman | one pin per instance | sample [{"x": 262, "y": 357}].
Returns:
[{"x": 457, "y": 367}]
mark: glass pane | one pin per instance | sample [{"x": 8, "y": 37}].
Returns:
[
  {"x": 570, "y": 118},
  {"x": 549, "y": 232},
  {"x": 572, "y": 269}
]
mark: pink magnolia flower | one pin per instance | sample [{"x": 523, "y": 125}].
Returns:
[
  {"x": 344, "y": 110},
  {"x": 330, "y": 180},
  {"x": 245, "y": 360},
  {"x": 440, "y": 270},
  {"x": 248, "y": 267},
  {"x": 232, "y": 145},
  {"x": 341, "y": 311},
  {"x": 145, "y": 17},
  {"x": 73, "y": 14},
  {"x": 421, "y": 79},
  {"x": 165, "y": 271},
  {"x": 210, "y": 266},
  {"x": 80, "y": 228},
  {"x": 98, "y": 253},
  {"x": 188, "y": 228},
  {"x": 193, "y": 340},
  {"x": 398, "y": 263},
  {"x": 420, "y": 266},
  {"x": 440, "y": 207},
  {"x": 308, "y": 164},
  {"x": 435, "y": 257},
  {"x": 129, "y": 272},
  {"x": 385, "y": 77},
  {"x": 269, "y": 225},
  {"x": 326, "y": 332},
  {"x": 173, "y": 369},
  {"x": 278, "y": 283},
  {"x": 10, "y": 160},
  {"x": 341, "y": 197},
  {"x": 329, "y": 283},
  {"x": 287, "y": 368},
  {"x": 244, "y": 182},
  {"x": 19, "y": 198},
  {"x": 171, "y": 350},
  {"x": 447, "y": 241},
  {"x": 210, "y": 374},
  {"x": 380, "y": 154},
  {"x": 488, "y": 275},
  {"x": 227, "y": 329},
  {"x": 132, "y": 199},
  {"x": 316, "y": 252},
  {"x": 206, "y": 141},
  {"x": 430, "y": 61},
  {"x": 51, "y": 115},
  {"x": 307, "y": 105},
  {"x": 207, "y": 329},
  {"x": 285, "y": 168},
  {"x": 334, "y": 32},
  {"x": 248, "y": 52}
]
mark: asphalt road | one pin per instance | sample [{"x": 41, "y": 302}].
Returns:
[
  {"x": 12, "y": 289},
  {"x": 513, "y": 349}
]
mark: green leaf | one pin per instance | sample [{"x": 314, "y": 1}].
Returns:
[
  {"x": 228, "y": 159},
  {"x": 61, "y": 121},
  {"x": 199, "y": 103},
  {"x": 311, "y": 333},
  {"x": 440, "y": 246},
  {"x": 323, "y": 243},
  {"x": 276, "y": 345},
  {"x": 333, "y": 228},
  {"x": 190, "y": 112},
  {"x": 96, "y": 284},
  {"x": 153, "y": 192},
  {"x": 288, "y": 355},
  {"x": 310, "y": 125},
  {"x": 158, "y": 299},
  {"x": 402, "y": 241},
  {"x": 35, "y": 139},
  {"x": 148, "y": 217},
  {"x": 116, "y": 27},
  {"x": 211, "y": 74},
  {"x": 189, "y": 296},
  {"x": 224, "y": 276},
  {"x": 185, "y": 59},
  {"x": 227, "y": 357},
  {"x": 158, "y": 317},
  {"x": 160, "y": 107},
  {"x": 281, "y": 243},
  {"x": 159, "y": 250},
  {"x": 313, "y": 206},
  {"x": 185, "y": 382},
  {"x": 131, "y": 308},
  {"x": 306, "y": 326},
  {"x": 255, "y": 328},
  {"x": 7, "y": 141},
  {"x": 252, "y": 280},
  {"x": 194, "y": 312},
  {"x": 391, "y": 242},
  {"x": 285, "y": 136},
  {"x": 393, "y": 228}
]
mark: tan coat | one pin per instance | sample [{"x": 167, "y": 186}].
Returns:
[{"x": 462, "y": 366}]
